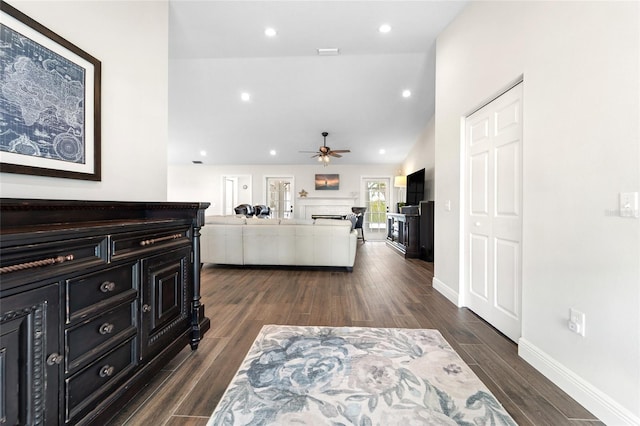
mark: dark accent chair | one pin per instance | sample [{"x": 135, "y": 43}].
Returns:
[
  {"x": 359, "y": 211},
  {"x": 245, "y": 209},
  {"x": 262, "y": 211}
]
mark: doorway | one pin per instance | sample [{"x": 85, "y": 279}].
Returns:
[
  {"x": 279, "y": 196},
  {"x": 492, "y": 218},
  {"x": 236, "y": 189},
  {"x": 375, "y": 194}
]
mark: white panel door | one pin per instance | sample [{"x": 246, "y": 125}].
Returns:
[
  {"x": 280, "y": 196},
  {"x": 230, "y": 194},
  {"x": 375, "y": 193},
  {"x": 493, "y": 212}
]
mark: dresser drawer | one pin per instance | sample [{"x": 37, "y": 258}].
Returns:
[
  {"x": 92, "y": 293},
  {"x": 46, "y": 260},
  {"x": 88, "y": 385},
  {"x": 138, "y": 242},
  {"x": 93, "y": 337}
]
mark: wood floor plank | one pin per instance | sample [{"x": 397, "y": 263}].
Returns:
[
  {"x": 384, "y": 290},
  {"x": 165, "y": 400},
  {"x": 508, "y": 351},
  {"x": 204, "y": 396},
  {"x": 187, "y": 421},
  {"x": 531, "y": 402}
]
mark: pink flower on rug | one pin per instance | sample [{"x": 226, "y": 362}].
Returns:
[
  {"x": 446, "y": 370},
  {"x": 374, "y": 374},
  {"x": 429, "y": 338}
]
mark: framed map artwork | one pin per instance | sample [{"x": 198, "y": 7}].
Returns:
[{"x": 49, "y": 102}]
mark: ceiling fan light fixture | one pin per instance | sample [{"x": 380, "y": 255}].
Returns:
[{"x": 324, "y": 153}]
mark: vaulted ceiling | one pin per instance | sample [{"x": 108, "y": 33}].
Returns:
[{"x": 219, "y": 51}]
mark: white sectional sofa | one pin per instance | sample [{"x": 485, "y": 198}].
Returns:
[{"x": 236, "y": 240}]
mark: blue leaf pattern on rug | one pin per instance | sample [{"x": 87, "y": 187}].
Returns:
[{"x": 355, "y": 376}]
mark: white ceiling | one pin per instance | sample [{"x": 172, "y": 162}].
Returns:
[{"x": 218, "y": 50}]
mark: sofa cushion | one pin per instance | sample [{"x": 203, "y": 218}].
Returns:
[
  {"x": 269, "y": 245},
  {"x": 225, "y": 220},
  {"x": 265, "y": 221},
  {"x": 296, "y": 222}
]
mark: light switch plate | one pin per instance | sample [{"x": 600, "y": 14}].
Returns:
[{"x": 629, "y": 204}]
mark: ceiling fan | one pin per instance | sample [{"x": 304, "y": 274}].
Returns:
[{"x": 325, "y": 153}]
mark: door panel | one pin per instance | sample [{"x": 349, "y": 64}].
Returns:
[
  {"x": 478, "y": 264},
  {"x": 506, "y": 277},
  {"x": 164, "y": 307},
  {"x": 29, "y": 338},
  {"x": 507, "y": 179},
  {"x": 479, "y": 180},
  {"x": 493, "y": 222}
]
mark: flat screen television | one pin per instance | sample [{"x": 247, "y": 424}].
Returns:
[{"x": 415, "y": 187}]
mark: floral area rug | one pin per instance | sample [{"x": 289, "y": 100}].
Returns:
[{"x": 355, "y": 376}]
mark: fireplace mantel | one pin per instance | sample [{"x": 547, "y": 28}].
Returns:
[{"x": 305, "y": 207}]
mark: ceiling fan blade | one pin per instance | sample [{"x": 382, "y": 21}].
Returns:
[
  {"x": 341, "y": 150},
  {"x": 314, "y": 156},
  {"x": 333, "y": 154}
]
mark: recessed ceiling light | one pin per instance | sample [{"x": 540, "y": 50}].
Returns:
[
  {"x": 406, "y": 93},
  {"x": 245, "y": 96},
  {"x": 384, "y": 28},
  {"x": 270, "y": 32},
  {"x": 331, "y": 51},
  {"x": 203, "y": 153},
  {"x": 272, "y": 152},
  {"x": 382, "y": 151}
]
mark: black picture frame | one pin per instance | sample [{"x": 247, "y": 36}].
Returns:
[{"x": 53, "y": 130}]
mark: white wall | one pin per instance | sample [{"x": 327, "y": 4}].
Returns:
[
  {"x": 422, "y": 156},
  {"x": 130, "y": 38},
  {"x": 201, "y": 182},
  {"x": 580, "y": 62}
]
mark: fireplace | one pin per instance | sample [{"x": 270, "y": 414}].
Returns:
[{"x": 307, "y": 206}]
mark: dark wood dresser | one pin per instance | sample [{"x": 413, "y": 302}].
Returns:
[
  {"x": 403, "y": 233},
  {"x": 95, "y": 297}
]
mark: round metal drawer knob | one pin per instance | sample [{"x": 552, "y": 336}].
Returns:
[
  {"x": 107, "y": 286},
  {"x": 146, "y": 308},
  {"x": 107, "y": 371},
  {"x": 106, "y": 328},
  {"x": 54, "y": 358}
]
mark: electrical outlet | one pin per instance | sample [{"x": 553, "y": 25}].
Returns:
[
  {"x": 577, "y": 321},
  {"x": 629, "y": 204}
]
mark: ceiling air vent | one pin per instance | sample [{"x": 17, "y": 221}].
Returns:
[
  {"x": 197, "y": 162},
  {"x": 334, "y": 51}
]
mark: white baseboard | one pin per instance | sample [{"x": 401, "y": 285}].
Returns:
[
  {"x": 593, "y": 399},
  {"x": 446, "y": 291}
]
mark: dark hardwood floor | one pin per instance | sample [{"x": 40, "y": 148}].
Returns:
[{"x": 384, "y": 290}]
